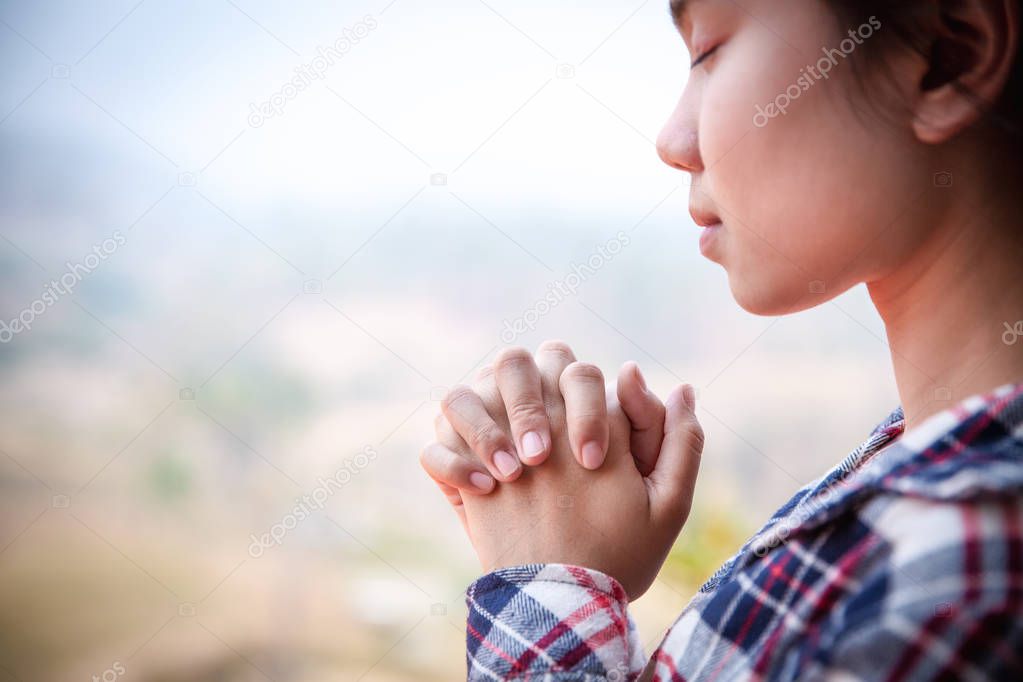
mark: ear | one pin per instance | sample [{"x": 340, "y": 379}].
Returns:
[{"x": 970, "y": 62}]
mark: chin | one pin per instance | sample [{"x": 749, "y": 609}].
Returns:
[{"x": 768, "y": 299}]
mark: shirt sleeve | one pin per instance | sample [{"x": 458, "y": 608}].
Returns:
[{"x": 551, "y": 622}]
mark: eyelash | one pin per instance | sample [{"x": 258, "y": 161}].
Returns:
[{"x": 699, "y": 60}]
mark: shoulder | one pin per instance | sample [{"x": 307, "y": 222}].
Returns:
[{"x": 944, "y": 595}]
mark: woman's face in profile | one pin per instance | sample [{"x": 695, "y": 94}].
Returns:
[{"x": 806, "y": 159}]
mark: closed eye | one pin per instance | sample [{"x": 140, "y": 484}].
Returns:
[{"x": 699, "y": 60}]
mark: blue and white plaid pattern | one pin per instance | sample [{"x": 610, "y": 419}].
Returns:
[{"x": 901, "y": 564}]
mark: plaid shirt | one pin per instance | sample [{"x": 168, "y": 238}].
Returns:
[{"x": 905, "y": 564}]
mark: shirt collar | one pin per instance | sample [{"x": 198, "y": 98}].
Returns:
[{"x": 970, "y": 450}]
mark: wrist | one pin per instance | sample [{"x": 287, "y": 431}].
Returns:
[{"x": 552, "y": 574}]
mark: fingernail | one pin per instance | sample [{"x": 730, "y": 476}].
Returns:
[
  {"x": 641, "y": 378},
  {"x": 689, "y": 395},
  {"x": 532, "y": 445},
  {"x": 593, "y": 455},
  {"x": 505, "y": 463},
  {"x": 482, "y": 482}
]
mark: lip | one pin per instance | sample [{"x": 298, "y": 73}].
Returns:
[
  {"x": 708, "y": 236},
  {"x": 711, "y": 225}
]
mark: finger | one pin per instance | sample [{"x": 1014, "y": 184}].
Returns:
[
  {"x": 469, "y": 417},
  {"x": 449, "y": 438},
  {"x": 552, "y": 357},
  {"x": 455, "y": 499},
  {"x": 673, "y": 480},
  {"x": 518, "y": 380},
  {"x": 646, "y": 412},
  {"x": 455, "y": 473},
  {"x": 485, "y": 386},
  {"x": 582, "y": 386}
]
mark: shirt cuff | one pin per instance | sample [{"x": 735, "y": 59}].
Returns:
[{"x": 551, "y": 619}]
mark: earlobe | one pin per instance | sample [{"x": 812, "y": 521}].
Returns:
[
  {"x": 971, "y": 60},
  {"x": 944, "y": 113}
]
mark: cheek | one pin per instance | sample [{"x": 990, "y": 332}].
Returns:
[{"x": 804, "y": 192}]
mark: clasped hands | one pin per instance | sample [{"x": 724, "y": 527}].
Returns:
[{"x": 544, "y": 464}]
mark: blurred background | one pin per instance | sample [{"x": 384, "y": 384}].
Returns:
[{"x": 246, "y": 245}]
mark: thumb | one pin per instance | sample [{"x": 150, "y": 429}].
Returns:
[
  {"x": 673, "y": 480},
  {"x": 646, "y": 414}
]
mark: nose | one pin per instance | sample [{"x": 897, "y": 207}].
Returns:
[{"x": 678, "y": 144}]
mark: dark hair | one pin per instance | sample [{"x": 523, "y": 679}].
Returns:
[{"x": 906, "y": 23}]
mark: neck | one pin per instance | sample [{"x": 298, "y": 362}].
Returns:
[{"x": 946, "y": 309}]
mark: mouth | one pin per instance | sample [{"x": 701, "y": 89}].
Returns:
[{"x": 711, "y": 225}]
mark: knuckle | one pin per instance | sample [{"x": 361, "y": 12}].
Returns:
[
  {"x": 512, "y": 359},
  {"x": 485, "y": 373},
  {"x": 583, "y": 371},
  {"x": 527, "y": 410},
  {"x": 692, "y": 430},
  {"x": 429, "y": 461},
  {"x": 557, "y": 420},
  {"x": 455, "y": 397},
  {"x": 484, "y": 437},
  {"x": 449, "y": 438},
  {"x": 557, "y": 347},
  {"x": 698, "y": 439},
  {"x": 447, "y": 470}
]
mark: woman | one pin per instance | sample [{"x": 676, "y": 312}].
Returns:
[{"x": 831, "y": 143}]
